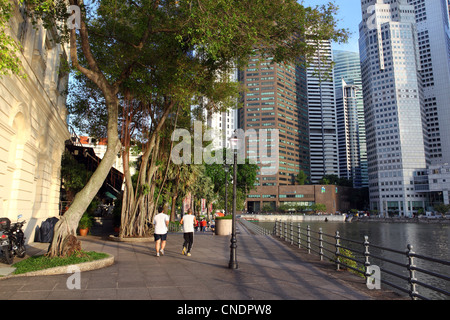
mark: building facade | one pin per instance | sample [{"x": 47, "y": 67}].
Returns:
[
  {"x": 323, "y": 136},
  {"x": 223, "y": 124},
  {"x": 350, "y": 118},
  {"x": 335, "y": 198},
  {"x": 33, "y": 126},
  {"x": 348, "y": 134},
  {"x": 433, "y": 36},
  {"x": 275, "y": 99},
  {"x": 397, "y": 140}
]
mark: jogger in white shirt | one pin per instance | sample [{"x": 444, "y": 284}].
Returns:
[
  {"x": 188, "y": 221},
  {"x": 161, "y": 222}
]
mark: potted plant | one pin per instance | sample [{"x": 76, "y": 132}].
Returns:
[
  {"x": 223, "y": 225},
  {"x": 84, "y": 224}
]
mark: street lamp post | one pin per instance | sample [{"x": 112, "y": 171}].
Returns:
[
  {"x": 233, "y": 261},
  {"x": 226, "y": 168}
]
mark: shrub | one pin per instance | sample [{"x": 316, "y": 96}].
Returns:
[{"x": 346, "y": 260}]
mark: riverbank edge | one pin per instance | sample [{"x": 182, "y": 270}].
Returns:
[
  {"x": 403, "y": 220},
  {"x": 293, "y": 218},
  {"x": 340, "y": 218}
]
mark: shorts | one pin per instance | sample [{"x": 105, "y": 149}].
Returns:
[{"x": 162, "y": 237}]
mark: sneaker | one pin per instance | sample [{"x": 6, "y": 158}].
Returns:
[
  {"x": 157, "y": 254},
  {"x": 183, "y": 251},
  {"x": 188, "y": 254},
  {"x": 162, "y": 252}
]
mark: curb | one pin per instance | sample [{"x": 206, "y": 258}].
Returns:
[
  {"x": 84, "y": 266},
  {"x": 142, "y": 239}
]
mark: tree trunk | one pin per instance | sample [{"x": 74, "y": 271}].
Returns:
[
  {"x": 68, "y": 223},
  {"x": 140, "y": 206},
  {"x": 172, "y": 212}
]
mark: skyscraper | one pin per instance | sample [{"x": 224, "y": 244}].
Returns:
[
  {"x": 397, "y": 140},
  {"x": 433, "y": 37},
  {"x": 223, "y": 123},
  {"x": 350, "y": 117},
  {"x": 322, "y": 114},
  {"x": 275, "y": 98}
]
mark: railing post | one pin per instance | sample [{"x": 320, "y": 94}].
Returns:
[
  {"x": 281, "y": 229},
  {"x": 274, "y": 231},
  {"x": 412, "y": 273},
  {"x": 308, "y": 238},
  {"x": 320, "y": 244},
  {"x": 299, "y": 235},
  {"x": 292, "y": 233},
  {"x": 337, "y": 250},
  {"x": 285, "y": 231},
  {"x": 277, "y": 230},
  {"x": 366, "y": 256}
]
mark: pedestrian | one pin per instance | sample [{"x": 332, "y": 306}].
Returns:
[
  {"x": 161, "y": 222},
  {"x": 188, "y": 221},
  {"x": 203, "y": 225},
  {"x": 197, "y": 225}
]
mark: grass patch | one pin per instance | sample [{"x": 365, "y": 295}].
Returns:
[{"x": 43, "y": 262}]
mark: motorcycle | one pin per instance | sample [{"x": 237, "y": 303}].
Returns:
[{"x": 12, "y": 239}]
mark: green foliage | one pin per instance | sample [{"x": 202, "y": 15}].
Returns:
[
  {"x": 227, "y": 217},
  {"x": 85, "y": 221},
  {"x": 37, "y": 263},
  {"x": 334, "y": 179},
  {"x": 346, "y": 258},
  {"x": 318, "y": 207},
  {"x": 267, "y": 208},
  {"x": 9, "y": 48},
  {"x": 246, "y": 174},
  {"x": 441, "y": 208},
  {"x": 297, "y": 208},
  {"x": 302, "y": 178},
  {"x": 74, "y": 174},
  {"x": 285, "y": 208}
]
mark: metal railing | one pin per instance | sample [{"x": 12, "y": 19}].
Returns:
[
  {"x": 256, "y": 229},
  {"x": 356, "y": 256},
  {"x": 175, "y": 227}
]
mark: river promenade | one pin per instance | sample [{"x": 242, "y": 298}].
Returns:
[{"x": 268, "y": 270}]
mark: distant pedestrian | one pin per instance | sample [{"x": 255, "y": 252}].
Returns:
[
  {"x": 203, "y": 225},
  {"x": 197, "y": 225},
  {"x": 161, "y": 222},
  {"x": 188, "y": 221}
]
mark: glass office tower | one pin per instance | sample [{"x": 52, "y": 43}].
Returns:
[{"x": 396, "y": 134}]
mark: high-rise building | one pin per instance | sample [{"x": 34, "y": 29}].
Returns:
[
  {"x": 348, "y": 134},
  {"x": 396, "y": 134},
  {"x": 350, "y": 118},
  {"x": 433, "y": 37},
  {"x": 322, "y": 114},
  {"x": 275, "y": 99},
  {"x": 223, "y": 123}
]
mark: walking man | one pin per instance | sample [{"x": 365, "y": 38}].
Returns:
[
  {"x": 188, "y": 221},
  {"x": 161, "y": 222}
]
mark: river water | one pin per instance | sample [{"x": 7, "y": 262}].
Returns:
[{"x": 431, "y": 240}]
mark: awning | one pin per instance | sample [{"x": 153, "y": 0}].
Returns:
[{"x": 110, "y": 195}]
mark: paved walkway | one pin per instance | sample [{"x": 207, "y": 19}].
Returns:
[{"x": 268, "y": 269}]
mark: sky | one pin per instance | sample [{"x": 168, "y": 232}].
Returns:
[{"x": 349, "y": 17}]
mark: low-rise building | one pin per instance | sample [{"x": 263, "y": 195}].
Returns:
[{"x": 335, "y": 198}]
